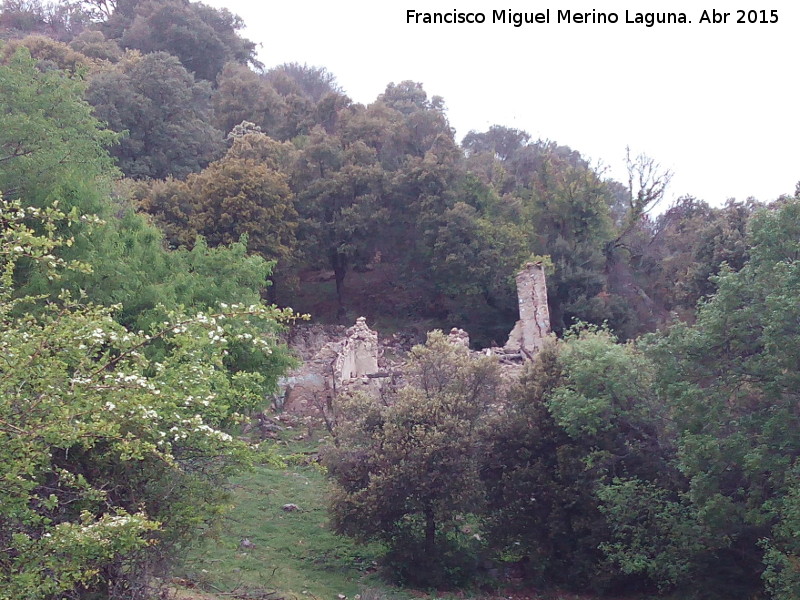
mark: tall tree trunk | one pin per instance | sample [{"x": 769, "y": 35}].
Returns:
[
  {"x": 430, "y": 531},
  {"x": 339, "y": 264},
  {"x": 272, "y": 292},
  {"x": 339, "y": 272}
]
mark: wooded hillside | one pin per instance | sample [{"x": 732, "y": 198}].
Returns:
[{"x": 169, "y": 206}]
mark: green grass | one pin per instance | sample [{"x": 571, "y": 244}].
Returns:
[{"x": 295, "y": 553}]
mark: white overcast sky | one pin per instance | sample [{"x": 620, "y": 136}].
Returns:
[{"x": 716, "y": 104}]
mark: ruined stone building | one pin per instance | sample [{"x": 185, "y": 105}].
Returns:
[{"x": 333, "y": 363}]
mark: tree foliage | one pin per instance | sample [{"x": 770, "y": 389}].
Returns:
[
  {"x": 61, "y": 21},
  {"x": 50, "y": 144},
  {"x": 54, "y": 154},
  {"x": 48, "y": 53},
  {"x": 243, "y": 95},
  {"x": 340, "y": 190},
  {"x": 109, "y": 457},
  {"x": 729, "y": 382},
  {"x": 406, "y": 472},
  {"x": 670, "y": 463},
  {"x": 239, "y": 197},
  {"x": 584, "y": 413},
  {"x": 113, "y": 409},
  {"x": 243, "y": 197},
  {"x": 164, "y": 113},
  {"x": 203, "y": 38}
]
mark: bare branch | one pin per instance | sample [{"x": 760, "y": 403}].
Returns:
[{"x": 647, "y": 184}]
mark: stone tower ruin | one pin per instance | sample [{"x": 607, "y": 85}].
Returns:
[{"x": 533, "y": 327}]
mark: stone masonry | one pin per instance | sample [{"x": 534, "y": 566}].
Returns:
[
  {"x": 330, "y": 363},
  {"x": 533, "y": 327},
  {"x": 359, "y": 354},
  {"x": 459, "y": 337}
]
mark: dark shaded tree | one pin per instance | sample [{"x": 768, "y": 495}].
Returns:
[
  {"x": 584, "y": 412},
  {"x": 339, "y": 192},
  {"x": 310, "y": 97},
  {"x": 93, "y": 43},
  {"x": 313, "y": 83},
  {"x": 165, "y": 113},
  {"x": 502, "y": 142},
  {"x": 61, "y": 21},
  {"x": 202, "y": 37},
  {"x": 473, "y": 263},
  {"x": 676, "y": 257},
  {"x": 568, "y": 212},
  {"x": 407, "y": 472}
]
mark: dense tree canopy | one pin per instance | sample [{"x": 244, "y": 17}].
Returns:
[
  {"x": 203, "y": 38},
  {"x": 243, "y": 95},
  {"x": 164, "y": 113},
  {"x": 341, "y": 195},
  {"x": 112, "y": 410},
  {"x": 731, "y": 384}
]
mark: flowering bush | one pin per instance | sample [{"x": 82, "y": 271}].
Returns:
[{"x": 109, "y": 457}]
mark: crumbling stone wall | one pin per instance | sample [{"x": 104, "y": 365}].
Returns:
[
  {"x": 359, "y": 354},
  {"x": 533, "y": 327},
  {"x": 310, "y": 385},
  {"x": 332, "y": 360},
  {"x": 458, "y": 337},
  {"x": 336, "y": 362}
]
